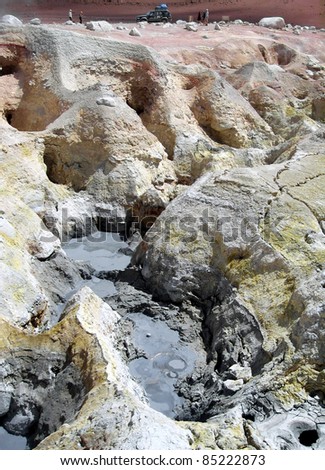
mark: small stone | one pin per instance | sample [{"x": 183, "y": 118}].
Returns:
[
  {"x": 217, "y": 27},
  {"x": 35, "y": 21},
  {"x": 241, "y": 372},
  {"x": 191, "y": 27},
  {"x": 44, "y": 245},
  {"x": 233, "y": 386},
  {"x": 6, "y": 228},
  {"x": 135, "y": 32},
  {"x": 106, "y": 101}
]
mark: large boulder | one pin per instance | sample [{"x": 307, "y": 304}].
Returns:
[
  {"x": 275, "y": 22},
  {"x": 10, "y": 20},
  {"x": 99, "y": 26},
  {"x": 247, "y": 229}
]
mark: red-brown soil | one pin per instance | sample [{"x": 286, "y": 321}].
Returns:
[
  {"x": 176, "y": 42},
  {"x": 303, "y": 12}
]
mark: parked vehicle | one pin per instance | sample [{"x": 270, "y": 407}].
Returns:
[{"x": 160, "y": 14}]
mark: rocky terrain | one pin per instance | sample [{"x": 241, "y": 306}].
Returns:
[
  {"x": 304, "y": 12},
  {"x": 204, "y": 148}
]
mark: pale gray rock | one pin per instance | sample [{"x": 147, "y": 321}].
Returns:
[
  {"x": 191, "y": 27},
  {"x": 217, "y": 27},
  {"x": 36, "y": 21},
  {"x": 7, "y": 229},
  {"x": 232, "y": 386},
  {"x": 275, "y": 22},
  {"x": 106, "y": 101},
  {"x": 99, "y": 26},
  {"x": 45, "y": 245},
  {"x": 11, "y": 20},
  {"x": 302, "y": 428},
  {"x": 135, "y": 32},
  {"x": 240, "y": 372}
]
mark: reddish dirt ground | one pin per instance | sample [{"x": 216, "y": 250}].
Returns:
[
  {"x": 173, "y": 41},
  {"x": 302, "y": 13}
]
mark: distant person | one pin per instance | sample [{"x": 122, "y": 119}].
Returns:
[
  {"x": 70, "y": 15},
  {"x": 80, "y": 17},
  {"x": 199, "y": 17},
  {"x": 206, "y": 17}
]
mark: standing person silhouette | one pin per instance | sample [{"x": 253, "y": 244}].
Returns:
[
  {"x": 70, "y": 15},
  {"x": 80, "y": 17},
  {"x": 206, "y": 17}
]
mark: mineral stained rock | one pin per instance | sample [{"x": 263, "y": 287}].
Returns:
[
  {"x": 75, "y": 367},
  {"x": 213, "y": 150}
]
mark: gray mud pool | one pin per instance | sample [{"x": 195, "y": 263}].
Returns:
[
  {"x": 11, "y": 442},
  {"x": 103, "y": 251},
  {"x": 165, "y": 360}
]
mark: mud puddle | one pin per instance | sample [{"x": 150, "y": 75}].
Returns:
[
  {"x": 12, "y": 442},
  {"x": 165, "y": 359}
]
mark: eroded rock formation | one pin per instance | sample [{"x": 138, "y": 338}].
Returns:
[{"x": 223, "y": 156}]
